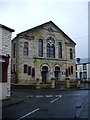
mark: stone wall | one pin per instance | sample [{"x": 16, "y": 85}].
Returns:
[
  {"x": 35, "y": 61},
  {"x": 5, "y": 48}
]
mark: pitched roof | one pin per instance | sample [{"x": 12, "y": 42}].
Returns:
[
  {"x": 83, "y": 61},
  {"x": 39, "y": 26},
  {"x": 7, "y": 28}
]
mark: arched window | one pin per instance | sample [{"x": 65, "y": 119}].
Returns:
[
  {"x": 57, "y": 68},
  {"x": 26, "y": 48},
  {"x": 71, "y": 53},
  {"x": 50, "y": 47},
  {"x": 48, "y": 50},
  {"x": 44, "y": 68},
  {"x": 60, "y": 50},
  {"x": 14, "y": 50},
  {"x": 66, "y": 72},
  {"x": 40, "y": 48},
  {"x": 71, "y": 69}
]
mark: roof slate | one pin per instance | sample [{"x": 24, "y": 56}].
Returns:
[
  {"x": 83, "y": 61},
  {"x": 7, "y": 28}
]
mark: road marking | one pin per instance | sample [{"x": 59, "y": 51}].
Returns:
[
  {"x": 30, "y": 96},
  {"x": 39, "y": 96},
  {"x": 28, "y": 114},
  {"x": 57, "y": 95},
  {"x": 56, "y": 99},
  {"x": 48, "y": 96}
]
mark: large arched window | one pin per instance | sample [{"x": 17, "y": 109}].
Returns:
[
  {"x": 40, "y": 48},
  {"x": 71, "y": 53},
  {"x": 51, "y": 47},
  {"x": 60, "y": 50},
  {"x": 26, "y": 48}
]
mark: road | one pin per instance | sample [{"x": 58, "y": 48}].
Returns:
[{"x": 49, "y": 104}]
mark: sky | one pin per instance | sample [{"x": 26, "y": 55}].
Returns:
[{"x": 70, "y": 16}]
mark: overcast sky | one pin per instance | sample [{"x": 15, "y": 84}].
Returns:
[{"x": 71, "y": 17}]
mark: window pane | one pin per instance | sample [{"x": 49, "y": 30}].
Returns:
[
  {"x": 33, "y": 72},
  {"x": 85, "y": 75},
  {"x": 26, "y": 48},
  {"x": 71, "y": 69},
  {"x": 14, "y": 50},
  {"x": 60, "y": 50},
  {"x": 25, "y": 68},
  {"x": 48, "y": 50},
  {"x": 84, "y": 67},
  {"x": 40, "y": 46},
  {"x": 52, "y": 51},
  {"x": 66, "y": 72},
  {"x": 29, "y": 70},
  {"x": 71, "y": 53}
]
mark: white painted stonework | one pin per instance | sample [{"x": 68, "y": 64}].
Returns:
[{"x": 5, "y": 48}]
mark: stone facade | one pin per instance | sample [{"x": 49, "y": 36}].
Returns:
[
  {"x": 5, "y": 54},
  {"x": 43, "y": 61}
]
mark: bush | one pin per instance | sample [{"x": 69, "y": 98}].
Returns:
[{"x": 53, "y": 78}]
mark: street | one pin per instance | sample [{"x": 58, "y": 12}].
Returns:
[{"x": 48, "y": 104}]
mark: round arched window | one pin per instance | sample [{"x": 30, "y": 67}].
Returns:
[
  {"x": 57, "y": 68},
  {"x": 44, "y": 68}
]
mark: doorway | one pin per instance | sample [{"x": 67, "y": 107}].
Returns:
[
  {"x": 57, "y": 73},
  {"x": 44, "y": 73}
]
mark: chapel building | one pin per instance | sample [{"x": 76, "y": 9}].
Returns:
[{"x": 42, "y": 52}]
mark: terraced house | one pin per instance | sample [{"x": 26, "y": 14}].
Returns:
[{"x": 42, "y": 52}]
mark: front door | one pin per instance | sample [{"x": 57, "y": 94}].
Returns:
[
  {"x": 44, "y": 76},
  {"x": 57, "y": 75}
]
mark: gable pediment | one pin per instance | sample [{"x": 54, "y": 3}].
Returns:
[{"x": 51, "y": 28}]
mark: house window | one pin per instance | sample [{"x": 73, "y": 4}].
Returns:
[
  {"x": 84, "y": 75},
  {"x": 14, "y": 50},
  {"x": 80, "y": 75},
  {"x": 76, "y": 67},
  {"x": 71, "y": 69},
  {"x": 69, "y": 72},
  {"x": 50, "y": 47},
  {"x": 60, "y": 50},
  {"x": 71, "y": 53},
  {"x": 14, "y": 68},
  {"x": 76, "y": 75},
  {"x": 33, "y": 72},
  {"x": 25, "y": 68},
  {"x": 26, "y": 48},
  {"x": 40, "y": 47},
  {"x": 29, "y": 70},
  {"x": 84, "y": 67},
  {"x": 66, "y": 72}
]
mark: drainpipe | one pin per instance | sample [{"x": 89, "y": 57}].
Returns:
[{"x": 6, "y": 66}]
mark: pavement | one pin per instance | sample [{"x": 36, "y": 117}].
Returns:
[
  {"x": 16, "y": 100},
  {"x": 12, "y": 101}
]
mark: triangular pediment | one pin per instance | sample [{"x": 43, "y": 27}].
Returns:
[{"x": 50, "y": 27}]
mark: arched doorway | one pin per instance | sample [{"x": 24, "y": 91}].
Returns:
[
  {"x": 57, "y": 73},
  {"x": 44, "y": 73}
]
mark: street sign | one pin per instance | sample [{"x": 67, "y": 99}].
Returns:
[{"x": 51, "y": 73}]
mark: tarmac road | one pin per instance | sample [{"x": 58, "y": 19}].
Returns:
[{"x": 49, "y": 104}]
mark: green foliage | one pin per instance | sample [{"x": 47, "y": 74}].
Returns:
[{"x": 53, "y": 78}]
